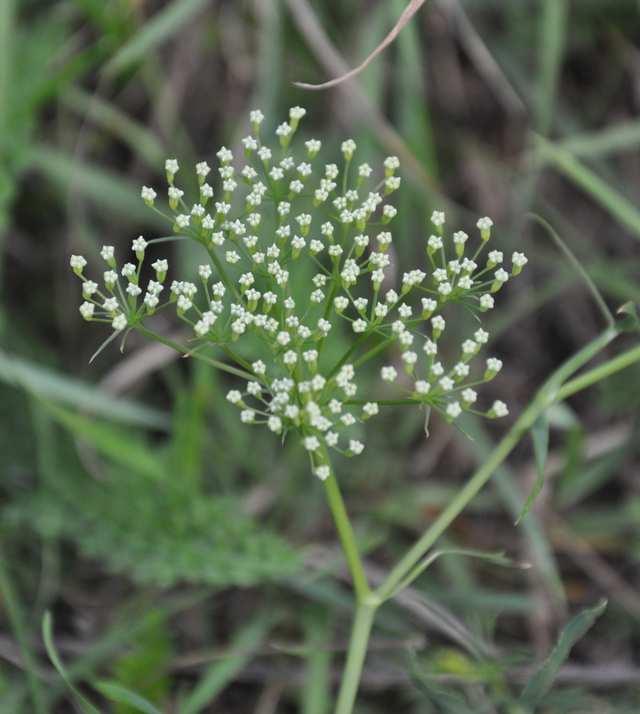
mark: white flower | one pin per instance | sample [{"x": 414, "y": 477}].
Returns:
[
  {"x": 469, "y": 396},
  {"x": 234, "y": 396},
  {"x": 438, "y": 218},
  {"x": 86, "y": 310},
  {"x": 495, "y": 257},
  {"x": 77, "y": 263},
  {"x": 172, "y": 167},
  {"x": 311, "y": 443},
  {"x": 460, "y": 237},
  {"x": 484, "y": 224},
  {"x": 388, "y": 374},
  {"x": 359, "y": 326},
  {"x": 422, "y": 387},
  {"x": 494, "y": 365},
  {"x": 247, "y": 416},
  {"x": 323, "y": 472},
  {"x": 256, "y": 117},
  {"x": 481, "y": 336},
  {"x": 296, "y": 113},
  {"x": 133, "y": 290},
  {"x": 202, "y": 169},
  {"x": 107, "y": 253},
  {"x": 110, "y": 304},
  {"x": 139, "y": 245},
  {"x": 182, "y": 221},
  {"x": 499, "y": 409},
  {"x": 89, "y": 288},
  {"x": 501, "y": 275},
  {"x": 204, "y": 271},
  {"x": 356, "y": 447},
  {"x": 370, "y": 409},
  {"x": 119, "y": 322},
  {"x": 486, "y": 301},
  {"x": 148, "y": 195},
  {"x": 434, "y": 243},
  {"x": 348, "y": 148},
  {"x": 454, "y": 410}
]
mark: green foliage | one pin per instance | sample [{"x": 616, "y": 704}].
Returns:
[{"x": 143, "y": 519}]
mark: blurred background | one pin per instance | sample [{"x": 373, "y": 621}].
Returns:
[{"x": 193, "y": 560}]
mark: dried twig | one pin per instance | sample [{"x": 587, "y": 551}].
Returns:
[{"x": 407, "y": 14}]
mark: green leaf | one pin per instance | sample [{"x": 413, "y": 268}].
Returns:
[
  {"x": 47, "y": 636},
  {"x": 540, "y": 438},
  {"x": 541, "y": 682},
  {"x": 47, "y": 384},
  {"x": 221, "y": 673},
  {"x": 154, "y": 32},
  {"x": 125, "y": 448},
  {"x": 117, "y": 693}
]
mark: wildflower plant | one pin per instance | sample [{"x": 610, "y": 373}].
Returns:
[
  {"x": 298, "y": 256},
  {"x": 259, "y": 224}
]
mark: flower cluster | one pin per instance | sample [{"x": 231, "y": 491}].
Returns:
[{"x": 295, "y": 249}]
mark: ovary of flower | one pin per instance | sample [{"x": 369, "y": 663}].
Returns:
[
  {"x": 438, "y": 218},
  {"x": 388, "y": 374}
]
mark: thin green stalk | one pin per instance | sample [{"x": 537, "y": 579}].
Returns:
[
  {"x": 185, "y": 351},
  {"x": 358, "y": 645},
  {"x": 597, "y": 374},
  {"x": 546, "y": 395},
  {"x": 347, "y": 538},
  {"x": 16, "y": 621}
]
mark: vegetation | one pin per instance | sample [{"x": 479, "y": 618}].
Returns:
[{"x": 157, "y": 555}]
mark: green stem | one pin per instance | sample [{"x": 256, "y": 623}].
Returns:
[
  {"x": 546, "y": 395},
  {"x": 358, "y": 645},
  {"x": 626, "y": 359},
  {"x": 347, "y": 538},
  {"x": 185, "y": 351}
]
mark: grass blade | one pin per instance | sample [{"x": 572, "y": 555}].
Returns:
[
  {"x": 121, "y": 695},
  {"x": 221, "y": 673},
  {"x": 45, "y": 383},
  {"x": 154, "y": 32},
  {"x": 47, "y": 636},
  {"x": 540, "y": 438},
  {"x": 542, "y": 680},
  {"x": 599, "y": 190}
]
